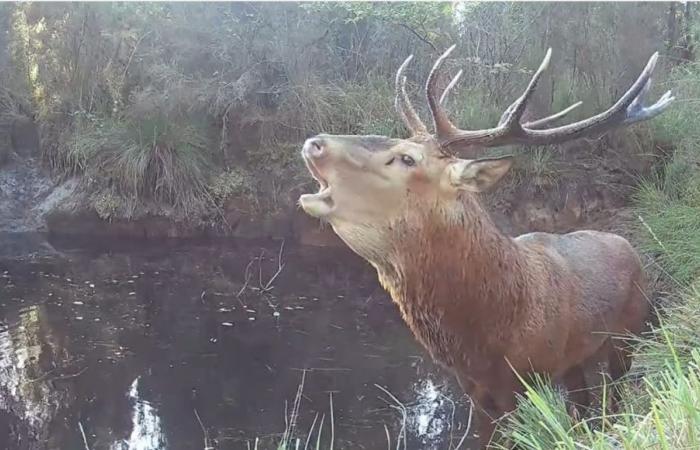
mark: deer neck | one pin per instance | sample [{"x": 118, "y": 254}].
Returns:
[{"x": 455, "y": 277}]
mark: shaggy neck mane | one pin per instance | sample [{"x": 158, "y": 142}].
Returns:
[{"x": 449, "y": 269}]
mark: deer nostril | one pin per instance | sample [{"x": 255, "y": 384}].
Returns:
[{"x": 315, "y": 146}]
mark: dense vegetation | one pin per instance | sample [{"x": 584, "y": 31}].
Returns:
[
  {"x": 180, "y": 109},
  {"x": 174, "y": 109}
]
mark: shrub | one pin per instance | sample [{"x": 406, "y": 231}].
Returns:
[{"x": 153, "y": 159}]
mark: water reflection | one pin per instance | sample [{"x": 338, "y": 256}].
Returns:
[
  {"x": 146, "y": 431},
  {"x": 117, "y": 348}
]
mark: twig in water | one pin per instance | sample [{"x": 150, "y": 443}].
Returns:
[
  {"x": 80, "y": 425},
  {"x": 60, "y": 377},
  {"x": 332, "y": 421},
  {"x": 469, "y": 424},
  {"x": 247, "y": 280},
  {"x": 452, "y": 416},
  {"x": 401, "y": 408},
  {"x": 291, "y": 421},
  {"x": 311, "y": 431},
  {"x": 207, "y": 443},
  {"x": 320, "y": 430},
  {"x": 70, "y": 375},
  {"x": 280, "y": 265},
  {"x": 260, "y": 260}
]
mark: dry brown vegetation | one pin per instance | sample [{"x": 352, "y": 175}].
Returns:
[{"x": 137, "y": 97}]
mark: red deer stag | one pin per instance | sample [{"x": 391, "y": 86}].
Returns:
[{"x": 483, "y": 304}]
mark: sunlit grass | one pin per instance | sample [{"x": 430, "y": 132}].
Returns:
[{"x": 672, "y": 420}]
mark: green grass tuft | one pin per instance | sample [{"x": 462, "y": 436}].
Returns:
[
  {"x": 672, "y": 420},
  {"x": 144, "y": 160}
]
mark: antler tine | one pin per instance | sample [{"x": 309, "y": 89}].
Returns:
[
  {"x": 442, "y": 123},
  {"x": 539, "y": 123},
  {"x": 418, "y": 124},
  {"x": 511, "y": 117},
  {"x": 627, "y": 110},
  {"x": 403, "y": 104},
  {"x": 533, "y": 125},
  {"x": 449, "y": 87}
]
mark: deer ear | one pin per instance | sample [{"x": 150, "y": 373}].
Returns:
[{"x": 479, "y": 174}]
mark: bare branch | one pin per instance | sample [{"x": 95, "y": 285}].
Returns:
[
  {"x": 280, "y": 265},
  {"x": 207, "y": 442},
  {"x": 246, "y": 276},
  {"x": 419, "y": 36}
]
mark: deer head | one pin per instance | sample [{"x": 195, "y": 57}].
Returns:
[{"x": 368, "y": 184}]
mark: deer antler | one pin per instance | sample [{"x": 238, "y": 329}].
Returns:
[
  {"x": 509, "y": 130},
  {"x": 533, "y": 125},
  {"x": 403, "y": 104}
]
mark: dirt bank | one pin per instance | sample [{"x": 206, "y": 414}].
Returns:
[{"x": 585, "y": 185}]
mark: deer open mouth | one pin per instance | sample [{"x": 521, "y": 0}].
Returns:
[{"x": 321, "y": 203}]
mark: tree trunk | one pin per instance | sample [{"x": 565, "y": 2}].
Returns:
[{"x": 688, "y": 46}]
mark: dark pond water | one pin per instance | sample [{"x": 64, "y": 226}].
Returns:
[{"x": 161, "y": 346}]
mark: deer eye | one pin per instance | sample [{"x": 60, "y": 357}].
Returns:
[{"x": 407, "y": 160}]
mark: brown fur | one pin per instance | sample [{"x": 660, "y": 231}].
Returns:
[
  {"x": 486, "y": 306},
  {"x": 479, "y": 301}
]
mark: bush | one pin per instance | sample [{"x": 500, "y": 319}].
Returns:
[
  {"x": 230, "y": 184},
  {"x": 144, "y": 160}
]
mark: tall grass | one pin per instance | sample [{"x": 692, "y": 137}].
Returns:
[
  {"x": 669, "y": 202},
  {"x": 672, "y": 420},
  {"x": 152, "y": 159},
  {"x": 294, "y": 439}
]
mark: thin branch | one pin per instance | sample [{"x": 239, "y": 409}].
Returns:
[
  {"x": 332, "y": 421},
  {"x": 469, "y": 424},
  {"x": 401, "y": 408},
  {"x": 247, "y": 280},
  {"x": 419, "y": 36},
  {"x": 291, "y": 420},
  {"x": 82, "y": 432},
  {"x": 207, "y": 445},
  {"x": 311, "y": 432},
  {"x": 131, "y": 56},
  {"x": 280, "y": 265}
]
